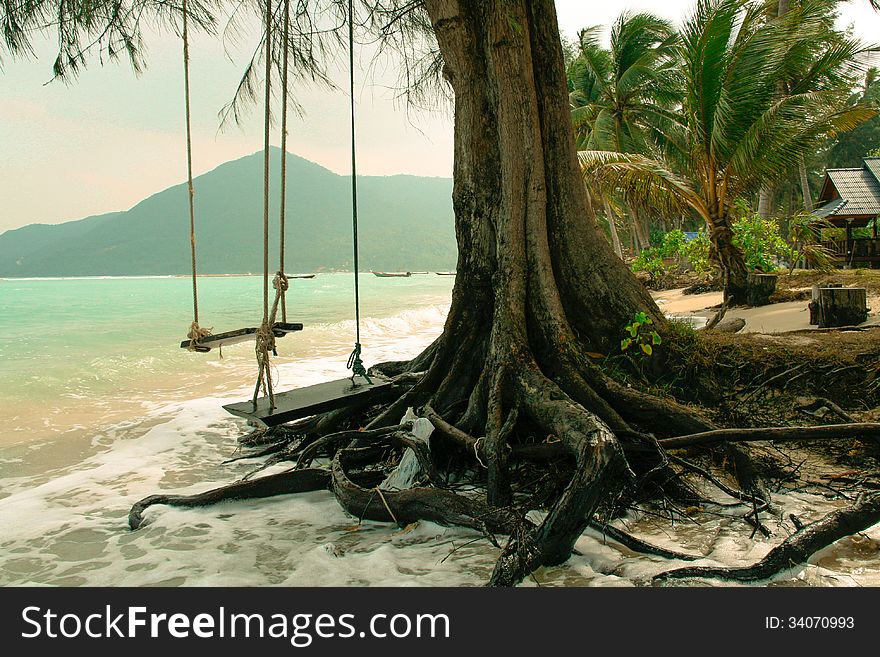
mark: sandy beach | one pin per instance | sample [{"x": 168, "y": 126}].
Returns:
[{"x": 774, "y": 318}]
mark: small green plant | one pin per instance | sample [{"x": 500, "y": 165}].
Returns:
[{"x": 640, "y": 335}]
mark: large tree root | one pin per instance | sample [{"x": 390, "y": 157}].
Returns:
[
  {"x": 797, "y": 548},
  {"x": 600, "y": 469},
  {"x": 407, "y": 506},
  {"x": 294, "y": 481}
]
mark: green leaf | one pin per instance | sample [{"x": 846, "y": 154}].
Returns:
[
  {"x": 634, "y": 329},
  {"x": 655, "y": 338},
  {"x": 647, "y": 349},
  {"x": 624, "y": 344}
]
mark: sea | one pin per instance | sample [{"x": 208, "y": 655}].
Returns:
[{"x": 100, "y": 407}]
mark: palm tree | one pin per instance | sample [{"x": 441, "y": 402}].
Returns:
[
  {"x": 739, "y": 134},
  {"x": 621, "y": 97}
]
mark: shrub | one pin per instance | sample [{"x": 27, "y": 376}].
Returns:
[
  {"x": 760, "y": 241},
  {"x": 697, "y": 253}
]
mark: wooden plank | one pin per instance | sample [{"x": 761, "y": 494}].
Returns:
[
  {"x": 311, "y": 400},
  {"x": 215, "y": 340}
]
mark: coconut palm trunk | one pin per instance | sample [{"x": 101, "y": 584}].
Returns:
[{"x": 805, "y": 184}]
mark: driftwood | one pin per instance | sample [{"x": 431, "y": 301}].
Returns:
[
  {"x": 813, "y": 406},
  {"x": 797, "y": 548},
  {"x": 712, "y": 323}
]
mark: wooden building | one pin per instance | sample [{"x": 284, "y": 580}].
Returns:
[{"x": 850, "y": 199}]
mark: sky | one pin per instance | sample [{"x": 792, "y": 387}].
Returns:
[{"x": 112, "y": 138}]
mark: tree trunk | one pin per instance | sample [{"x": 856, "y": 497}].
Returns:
[
  {"x": 726, "y": 257},
  {"x": 765, "y": 199},
  {"x": 537, "y": 286},
  {"x": 805, "y": 184},
  {"x": 641, "y": 233},
  {"x": 612, "y": 226}
]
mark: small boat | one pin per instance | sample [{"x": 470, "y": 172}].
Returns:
[
  {"x": 392, "y": 274},
  {"x": 301, "y": 276},
  {"x": 445, "y": 273},
  {"x": 418, "y": 272}
]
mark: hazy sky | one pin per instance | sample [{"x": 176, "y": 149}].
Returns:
[{"x": 113, "y": 138}]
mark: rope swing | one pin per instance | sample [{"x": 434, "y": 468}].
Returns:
[
  {"x": 272, "y": 409},
  {"x": 322, "y": 397},
  {"x": 265, "y": 337},
  {"x": 354, "y": 360},
  {"x": 195, "y": 333},
  {"x": 282, "y": 277}
]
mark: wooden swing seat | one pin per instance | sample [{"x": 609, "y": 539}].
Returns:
[
  {"x": 215, "y": 340},
  {"x": 311, "y": 400}
]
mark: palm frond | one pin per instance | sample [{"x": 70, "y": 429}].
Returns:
[{"x": 641, "y": 181}]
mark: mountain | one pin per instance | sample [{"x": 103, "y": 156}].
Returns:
[{"x": 406, "y": 223}]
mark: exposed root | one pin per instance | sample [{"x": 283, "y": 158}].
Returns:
[
  {"x": 828, "y": 432},
  {"x": 797, "y": 548},
  {"x": 406, "y": 506},
  {"x": 343, "y": 438},
  {"x": 293, "y": 481},
  {"x": 599, "y": 470},
  {"x": 638, "y": 545}
]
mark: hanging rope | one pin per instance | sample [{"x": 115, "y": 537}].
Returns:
[
  {"x": 265, "y": 337},
  {"x": 281, "y": 247},
  {"x": 354, "y": 360},
  {"x": 195, "y": 333}
]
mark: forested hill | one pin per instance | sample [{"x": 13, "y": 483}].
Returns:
[{"x": 406, "y": 223}]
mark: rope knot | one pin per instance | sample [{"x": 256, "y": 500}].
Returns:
[
  {"x": 356, "y": 365},
  {"x": 265, "y": 343},
  {"x": 196, "y": 334},
  {"x": 265, "y": 338},
  {"x": 281, "y": 282}
]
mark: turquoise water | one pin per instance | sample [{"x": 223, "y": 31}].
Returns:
[{"x": 81, "y": 351}]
